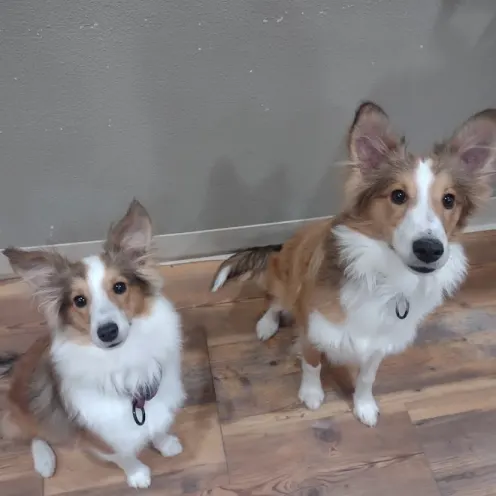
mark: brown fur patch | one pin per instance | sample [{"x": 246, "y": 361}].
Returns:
[
  {"x": 134, "y": 301},
  {"x": 34, "y": 402},
  {"x": 374, "y": 214},
  {"x": 311, "y": 354},
  {"x": 444, "y": 184},
  {"x": 306, "y": 275},
  {"x": 76, "y": 321}
]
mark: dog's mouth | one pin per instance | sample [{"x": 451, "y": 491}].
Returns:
[
  {"x": 114, "y": 345},
  {"x": 421, "y": 269},
  {"x": 418, "y": 269}
]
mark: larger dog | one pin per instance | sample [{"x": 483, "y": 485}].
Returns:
[
  {"x": 109, "y": 374},
  {"x": 359, "y": 285}
]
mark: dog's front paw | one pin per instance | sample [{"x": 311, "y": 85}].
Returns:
[
  {"x": 141, "y": 478},
  {"x": 366, "y": 410},
  {"x": 171, "y": 446},
  {"x": 312, "y": 395}
]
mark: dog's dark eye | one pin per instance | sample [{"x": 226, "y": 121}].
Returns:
[
  {"x": 79, "y": 301},
  {"x": 398, "y": 196},
  {"x": 120, "y": 288},
  {"x": 448, "y": 201}
]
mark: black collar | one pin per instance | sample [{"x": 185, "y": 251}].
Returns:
[
  {"x": 403, "y": 313},
  {"x": 140, "y": 397}
]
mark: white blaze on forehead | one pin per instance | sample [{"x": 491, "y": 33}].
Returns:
[
  {"x": 95, "y": 273},
  {"x": 100, "y": 303},
  {"x": 423, "y": 217},
  {"x": 420, "y": 220}
]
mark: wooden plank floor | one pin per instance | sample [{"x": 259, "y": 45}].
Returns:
[{"x": 245, "y": 433}]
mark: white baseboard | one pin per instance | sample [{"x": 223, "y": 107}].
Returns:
[
  {"x": 216, "y": 244},
  {"x": 189, "y": 246}
]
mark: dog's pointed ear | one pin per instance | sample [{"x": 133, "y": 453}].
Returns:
[
  {"x": 133, "y": 233},
  {"x": 37, "y": 267},
  {"x": 474, "y": 144},
  {"x": 370, "y": 139},
  {"x": 46, "y": 272}
]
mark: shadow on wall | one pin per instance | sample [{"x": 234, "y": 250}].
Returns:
[
  {"x": 328, "y": 196},
  {"x": 225, "y": 187}
]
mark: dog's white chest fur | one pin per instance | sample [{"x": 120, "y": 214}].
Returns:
[
  {"x": 376, "y": 282},
  {"x": 94, "y": 381}
]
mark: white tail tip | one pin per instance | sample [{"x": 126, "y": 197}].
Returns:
[{"x": 221, "y": 278}]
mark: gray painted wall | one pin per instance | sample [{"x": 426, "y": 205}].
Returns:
[{"x": 216, "y": 113}]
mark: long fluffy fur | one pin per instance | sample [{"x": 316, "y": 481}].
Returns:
[
  {"x": 7, "y": 361},
  {"x": 247, "y": 263}
]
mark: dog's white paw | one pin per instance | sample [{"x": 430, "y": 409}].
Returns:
[
  {"x": 312, "y": 395},
  {"x": 366, "y": 410},
  {"x": 266, "y": 327},
  {"x": 43, "y": 458},
  {"x": 141, "y": 478},
  {"x": 171, "y": 446}
]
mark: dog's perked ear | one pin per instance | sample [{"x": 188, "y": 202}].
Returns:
[
  {"x": 370, "y": 139},
  {"x": 473, "y": 144},
  {"x": 46, "y": 272},
  {"x": 132, "y": 234}
]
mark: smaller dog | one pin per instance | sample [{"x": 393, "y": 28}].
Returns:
[
  {"x": 359, "y": 285},
  {"x": 109, "y": 375}
]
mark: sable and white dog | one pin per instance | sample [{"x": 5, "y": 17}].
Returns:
[
  {"x": 109, "y": 375},
  {"x": 359, "y": 285}
]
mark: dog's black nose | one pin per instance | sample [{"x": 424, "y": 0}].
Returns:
[
  {"x": 428, "y": 250},
  {"x": 108, "y": 332}
]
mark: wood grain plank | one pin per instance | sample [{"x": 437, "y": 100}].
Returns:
[
  {"x": 197, "y": 375},
  {"x": 191, "y": 482},
  {"x": 329, "y": 456},
  {"x": 24, "y": 486},
  {"x": 460, "y": 450},
  {"x": 15, "y": 461}
]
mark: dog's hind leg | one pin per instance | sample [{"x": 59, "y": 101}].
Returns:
[
  {"x": 43, "y": 458},
  {"x": 271, "y": 320}
]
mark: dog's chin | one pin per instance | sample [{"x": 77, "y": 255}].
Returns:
[
  {"x": 114, "y": 345},
  {"x": 422, "y": 269},
  {"x": 110, "y": 346}
]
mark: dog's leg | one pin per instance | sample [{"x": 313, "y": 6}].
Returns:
[
  {"x": 43, "y": 458},
  {"x": 365, "y": 406},
  {"x": 268, "y": 325},
  {"x": 167, "y": 445},
  {"x": 138, "y": 474},
  {"x": 311, "y": 392}
]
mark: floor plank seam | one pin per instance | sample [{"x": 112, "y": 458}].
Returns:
[
  {"x": 217, "y": 403},
  {"x": 426, "y": 459},
  {"x": 219, "y": 303}
]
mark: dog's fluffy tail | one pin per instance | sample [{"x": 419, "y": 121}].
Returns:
[
  {"x": 7, "y": 361},
  {"x": 245, "y": 264}
]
